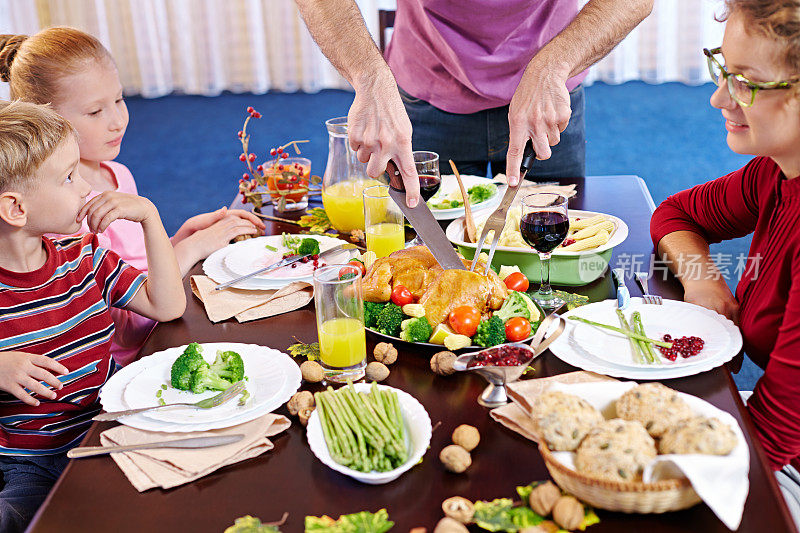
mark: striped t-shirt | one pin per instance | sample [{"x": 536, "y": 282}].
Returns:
[{"x": 61, "y": 311}]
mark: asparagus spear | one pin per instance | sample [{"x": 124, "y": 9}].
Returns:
[
  {"x": 636, "y": 317},
  {"x": 620, "y": 330},
  {"x": 636, "y": 349}
]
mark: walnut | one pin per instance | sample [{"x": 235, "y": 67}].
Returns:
[
  {"x": 312, "y": 371},
  {"x": 377, "y": 371},
  {"x": 568, "y": 512},
  {"x": 459, "y": 508},
  {"x": 548, "y": 526},
  {"x": 357, "y": 235},
  {"x": 385, "y": 353},
  {"x": 455, "y": 458},
  {"x": 544, "y": 497},
  {"x": 301, "y": 400},
  {"x": 448, "y": 525},
  {"x": 466, "y": 436},
  {"x": 442, "y": 363},
  {"x": 305, "y": 414}
]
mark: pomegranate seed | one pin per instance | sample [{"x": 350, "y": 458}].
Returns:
[
  {"x": 242, "y": 158},
  {"x": 250, "y": 109},
  {"x": 245, "y": 176},
  {"x": 294, "y": 265},
  {"x": 280, "y": 150},
  {"x": 280, "y": 167},
  {"x": 251, "y": 157},
  {"x": 284, "y": 155},
  {"x": 315, "y": 257},
  {"x": 273, "y": 152}
]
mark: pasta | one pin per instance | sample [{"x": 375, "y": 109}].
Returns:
[{"x": 584, "y": 234}]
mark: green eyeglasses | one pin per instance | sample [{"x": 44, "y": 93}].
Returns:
[{"x": 742, "y": 90}]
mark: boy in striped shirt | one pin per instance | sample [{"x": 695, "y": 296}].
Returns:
[{"x": 55, "y": 325}]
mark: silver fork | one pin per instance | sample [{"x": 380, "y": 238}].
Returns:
[
  {"x": 224, "y": 396},
  {"x": 497, "y": 220},
  {"x": 641, "y": 278}
]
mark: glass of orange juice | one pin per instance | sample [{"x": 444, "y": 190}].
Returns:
[
  {"x": 285, "y": 175},
  {"x": 339, "y": 302},
  {"x": 383, "y": 221}
]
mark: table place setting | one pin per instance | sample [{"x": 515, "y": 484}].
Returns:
[{"x": 262, "y": 277}]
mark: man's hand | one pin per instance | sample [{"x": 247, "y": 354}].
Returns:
[
  {"x": 540, "y": 111},
  {"x": 109, "y": 206},
  {"x": 20, "y": 371},
  {"x": 379, "y": 129},
  {"x": 714, "y": 295}
]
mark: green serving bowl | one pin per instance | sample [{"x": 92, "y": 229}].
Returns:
[{"x": 566, "y": 268}]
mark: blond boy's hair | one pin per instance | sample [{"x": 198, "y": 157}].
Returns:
[{"x": 29, "y": 134}]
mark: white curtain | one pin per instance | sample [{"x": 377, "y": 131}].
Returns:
[{"x": 208, "y": 46}]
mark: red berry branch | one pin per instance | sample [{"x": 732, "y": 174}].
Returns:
[{"x": 284, "y": 181}]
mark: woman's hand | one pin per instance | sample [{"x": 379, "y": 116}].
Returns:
[
  {"x": 204, "y": 242},
  {"x": 206, "y": 220},
  {"x": 109, "y": 206},
  {"x": 20, "y": 371},
  {"x": 714, "y": 295}
]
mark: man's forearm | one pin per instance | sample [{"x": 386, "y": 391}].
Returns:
[
  {"x": 339, "y": 29},
  {"x": 594, "y": 32}
]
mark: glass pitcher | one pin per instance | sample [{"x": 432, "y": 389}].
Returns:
[{"x": 344, "y": 180}]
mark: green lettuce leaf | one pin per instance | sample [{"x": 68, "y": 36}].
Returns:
[
  {"x": 501, "y": 515},
  {"x": 363, "y": 522}
]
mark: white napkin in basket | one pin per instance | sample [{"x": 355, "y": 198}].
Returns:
[{"x": 721, "y": 481}]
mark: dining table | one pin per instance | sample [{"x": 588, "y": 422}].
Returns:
[{"x": 92, "y": 494}]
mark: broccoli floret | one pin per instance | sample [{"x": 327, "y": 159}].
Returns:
[
  {"x": 389, "y": 320},
  {"x": 416, "y": 330},
  {"x": 308, "y": 247},
  {"x": 490, "y": 332},
  {"x": 228, "y": 365},
  {"x": 206, "y": 379},
  {"x": 185, "y": 365},
  {"x": 250, "y": 524},
  {"x": 515, "y": 305},
  {"x": 371, "y": 311}
]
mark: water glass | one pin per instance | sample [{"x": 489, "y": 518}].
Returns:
[{"x": 339, "y": 302}]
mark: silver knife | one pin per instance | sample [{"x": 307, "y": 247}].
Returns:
[
  {"x": 192, "y": 442},
  {"x": 274, "y": 266},
  {"x": 623, "y": 294},
  {"x": 422, "y": 221}
]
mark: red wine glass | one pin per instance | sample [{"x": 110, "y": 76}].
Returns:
[
  {"x": 427, "y": 164},
  {"x": 544, "y": 225}
]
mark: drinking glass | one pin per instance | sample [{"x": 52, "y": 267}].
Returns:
[
  {"x": 544, "y": 225},
  {"x": 427, "y": 164},
  {"x": 385, "y": 232},
  {"x": 288, "y": 175},
  {"x": 339, "y": 303}
]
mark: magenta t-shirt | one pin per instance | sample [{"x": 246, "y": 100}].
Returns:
[{"x": 464, "y": 56}]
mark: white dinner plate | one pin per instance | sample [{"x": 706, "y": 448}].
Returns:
[
  {"x": 450, "y": 184},
  {"x": 609, "y": 353},
  {"x": 250, "y": 255},
  {"x": 262, "y": 361}
]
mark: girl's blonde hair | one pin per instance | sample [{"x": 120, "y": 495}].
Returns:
[
  {"x": 775, "y": 19},
  {"x": 29, "y": 134},
  {"x": 33, "y": 66}
]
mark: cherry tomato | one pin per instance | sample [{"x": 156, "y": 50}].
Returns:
[
  {"x": 348, "y": 272},
  {"x": 517, "y": 282},
  {"x": 517, "y": 329},
  {"x": 401, "y": 296},
  {"x": 464, "y": 320},
  {"x": 359, "y": 265}
]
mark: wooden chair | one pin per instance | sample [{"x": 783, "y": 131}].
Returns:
[{"x": 385, "y": 21}]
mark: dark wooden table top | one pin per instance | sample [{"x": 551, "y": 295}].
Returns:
[{"x": 94, "y": 495}]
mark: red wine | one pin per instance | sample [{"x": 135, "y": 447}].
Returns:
[
  {"x": 428, "y": 185},
  {"x": 544, "y": 230}
]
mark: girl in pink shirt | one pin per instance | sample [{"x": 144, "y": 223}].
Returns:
[{"x": 73, "y": 72}]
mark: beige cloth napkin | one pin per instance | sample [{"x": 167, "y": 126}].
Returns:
[
  {"x": 531, "y": 186},
  {"x": 517, "y": 415},
  {"x": 248, "y": 305},
  {"x": 170, "y": 467}
]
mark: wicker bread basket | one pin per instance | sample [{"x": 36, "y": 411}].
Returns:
[{"x": 627, "y": 497}]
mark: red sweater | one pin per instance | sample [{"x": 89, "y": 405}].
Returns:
[{"x": 757, "y": 199}]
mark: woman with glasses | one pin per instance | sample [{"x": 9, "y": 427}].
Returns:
[{"x": 756, "y": 70}]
